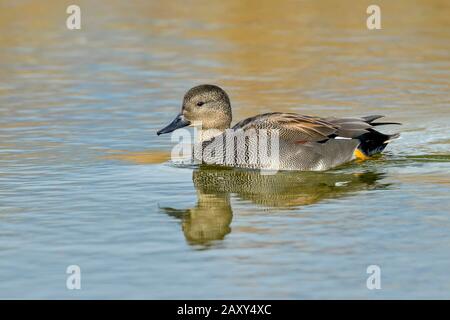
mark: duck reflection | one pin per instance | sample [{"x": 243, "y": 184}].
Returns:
[{"x": 210, "y": 219}]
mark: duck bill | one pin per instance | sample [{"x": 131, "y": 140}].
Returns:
[{"x": 177, "y": 123}]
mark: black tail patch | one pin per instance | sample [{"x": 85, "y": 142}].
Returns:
[
  {"x": 383, "y": 123},
  {"x": 373, "y": 142},
  {"x": 371, "y": 118}
]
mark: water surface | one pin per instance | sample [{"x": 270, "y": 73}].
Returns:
[{"x": 85, "y": 180}]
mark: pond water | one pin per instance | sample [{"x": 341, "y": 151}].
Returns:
[{"x": 84, "y": 180}]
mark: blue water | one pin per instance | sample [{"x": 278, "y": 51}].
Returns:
[{"x": 84, "y": 180}]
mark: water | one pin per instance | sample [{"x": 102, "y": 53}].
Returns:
[{"x": 84, "y": 179}]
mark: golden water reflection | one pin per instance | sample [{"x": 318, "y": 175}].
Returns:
[{"x": 138, "y": 157}]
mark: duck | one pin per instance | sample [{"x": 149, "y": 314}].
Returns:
[{"x": 304, "y": 142}]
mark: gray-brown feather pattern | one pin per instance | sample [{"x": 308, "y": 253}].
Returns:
[
  {"x": 295, "y": 127},
  {"x": 291, "y": 126}
]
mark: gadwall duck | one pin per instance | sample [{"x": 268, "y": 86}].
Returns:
[{"x": 306, "y": 143}]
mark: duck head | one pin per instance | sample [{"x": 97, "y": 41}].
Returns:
[{"x": 207, "y": 105}]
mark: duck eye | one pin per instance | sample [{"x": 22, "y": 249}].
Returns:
[{"x": 200, "y": 103}]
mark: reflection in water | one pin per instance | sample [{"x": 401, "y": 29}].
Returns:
[
  {"x": 210, "y": 219},
  {"x": 141, "y": 157}
]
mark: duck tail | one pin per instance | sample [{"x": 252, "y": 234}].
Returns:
[{"x": 373, "y": 142}]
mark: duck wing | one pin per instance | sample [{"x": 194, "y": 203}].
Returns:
[{"x": 299, "y": 128}]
